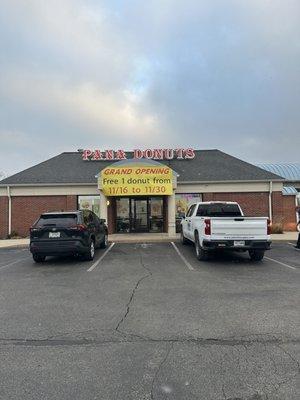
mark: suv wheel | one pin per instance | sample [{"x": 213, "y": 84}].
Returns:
[
  {"x": 38, "y": 259},
  {"x": 202, "y": 255},
  {"x": 91, "y": 252},
  {"x": 104, "y": 242}
]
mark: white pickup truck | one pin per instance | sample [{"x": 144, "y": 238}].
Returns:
[{"x": 213, "y": 226}]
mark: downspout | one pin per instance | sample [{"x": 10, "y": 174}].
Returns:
[
  {"x": 9, "y": 210},
  {"x": 270, "y": 201},
  {"x": 297, "y": 202}
]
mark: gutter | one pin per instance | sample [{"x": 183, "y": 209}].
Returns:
[
  {"x": 47, "y": 184},
  {"x": 230, "y": 181},
  {"x": 178, "y": 182}
]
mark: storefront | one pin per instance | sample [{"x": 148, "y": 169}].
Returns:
[{"x": 139, "y": 191}]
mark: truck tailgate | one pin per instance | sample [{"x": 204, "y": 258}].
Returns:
[{"x": 239, "y": 228}]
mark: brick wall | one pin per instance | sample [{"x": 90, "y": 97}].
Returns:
[
  {"x": 111, "y": 215},
  {"x": 26, "y": 209},
  {"x": 277, "y": 204},
  {"x": 3, "y": 216},
  {"x": 257, "y": 204},
  {"x": 289, "y": 212},
  {"x": 253, "y": 204}
]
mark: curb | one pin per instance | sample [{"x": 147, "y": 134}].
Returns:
[
  {"x": 284, "y": 240},
  {"x": 15, "y": 246}
]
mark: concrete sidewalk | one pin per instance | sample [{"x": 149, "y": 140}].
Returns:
[
  {"x": 4, "y": 243},
  {"x": 144, "y": 238}
]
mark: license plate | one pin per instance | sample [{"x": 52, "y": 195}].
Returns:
[
  {"x": 239, "y": 243},
  {"x": 54, "y": 234}
]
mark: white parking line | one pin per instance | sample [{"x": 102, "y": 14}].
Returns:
[
  {"x": 281, "y": 263},
  {"x": 182, "y": 257},
  {"x": 293, "y": 244},
  {"x": 14, "y": 262},
  {"x": 101, "y": 258}
]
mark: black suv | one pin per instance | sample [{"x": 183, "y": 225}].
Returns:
[{"x": 67, "y": 233}]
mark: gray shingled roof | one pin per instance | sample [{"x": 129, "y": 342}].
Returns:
[{"x": 208, "y": 165}]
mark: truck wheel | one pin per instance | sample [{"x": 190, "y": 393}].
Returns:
[
  {"x": 38, "y": 259},
  {"x": 104, "y": 242},
  {"x": 256, "y": 255},
  {"x": 183, "y": 239},
  {"x": 91, "y": 252},
  {"x": 201, "y": 254}
]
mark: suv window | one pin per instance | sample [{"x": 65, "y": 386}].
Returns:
[
  {"x": 219, "y": 210},
  {"x": 191, "y": 210},
  {"x": 65, "y": 220}
]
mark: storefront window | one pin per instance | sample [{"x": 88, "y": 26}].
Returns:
[
  {"x": 89, "y": 203},
  {"x": 156, "y": 214},
  {"x": 123, "y": 219},
  {"x": 183, "y": 201}
]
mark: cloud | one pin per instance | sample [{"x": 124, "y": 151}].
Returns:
[
  {"x": 84, "y": 104},
  {"x": 211, "y": 74}
]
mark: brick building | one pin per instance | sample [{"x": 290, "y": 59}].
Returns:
[{"x": 69, "y": 181}]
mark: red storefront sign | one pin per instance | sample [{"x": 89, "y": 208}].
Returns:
[{"x": 150, "y": 154}]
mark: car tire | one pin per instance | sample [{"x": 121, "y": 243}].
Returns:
[
  {"x": 91, "y": 251},
  {"x": 256, "y": 255},
  {"x": 202, "y": 255},
  {"x": 104, "y": 242},
  {"x": 183, "y": 239},
  {"x": 38, "y": 259}
]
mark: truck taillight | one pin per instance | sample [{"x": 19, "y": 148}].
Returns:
[
  {"x": 269, "y": 227},
  {"x": 79, "y": 227},
  {"x": 207, "y": 229}
]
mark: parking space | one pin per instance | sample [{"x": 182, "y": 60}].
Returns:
[
  {"x": 149, "y": 321},
  {"x": 283, "y": 252}
]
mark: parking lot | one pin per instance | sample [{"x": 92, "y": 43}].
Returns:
[{"x": 149, "y": 321}]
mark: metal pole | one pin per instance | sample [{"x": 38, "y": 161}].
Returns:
[{"x": 9, "y": 210}]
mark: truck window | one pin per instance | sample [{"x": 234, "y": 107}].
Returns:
[
  {"x": 191, "y": 210},
  {"x": 219, "y": 210}
]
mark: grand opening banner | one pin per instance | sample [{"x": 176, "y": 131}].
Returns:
[{"x": 136, "y": 180}]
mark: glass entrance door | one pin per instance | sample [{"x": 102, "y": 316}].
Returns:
[{"x": 139, "y": 215}]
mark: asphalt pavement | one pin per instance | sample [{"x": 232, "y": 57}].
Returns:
[{"x": 149, "y": 321}]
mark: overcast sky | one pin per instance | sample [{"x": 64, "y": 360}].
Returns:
[{"x": 135, "y": 74}]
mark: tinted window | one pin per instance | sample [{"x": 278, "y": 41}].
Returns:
[
  {"x": 191, "y": 210},
  {"x": 57, "y": 220},
  {"x": 201, "y": 212},
  {"x": 219, "y": 210},
  {"x": 94, "y": 218}
]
